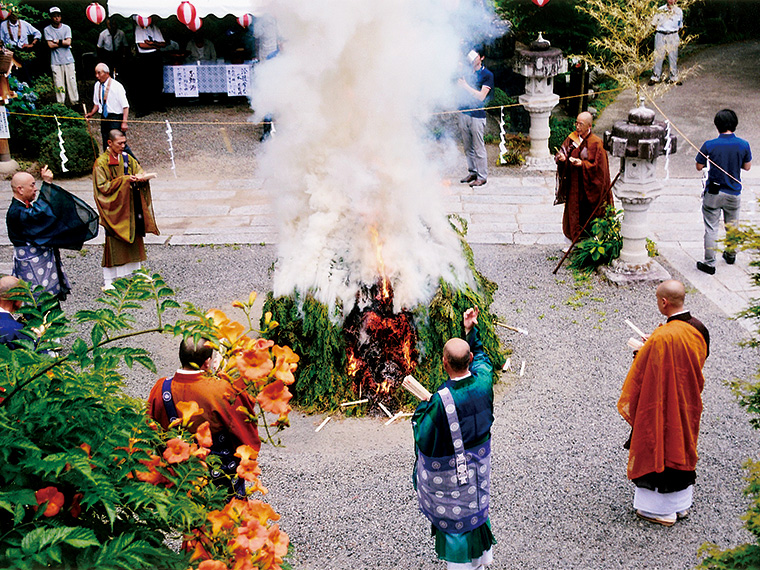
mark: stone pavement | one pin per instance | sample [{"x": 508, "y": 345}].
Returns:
[{"x": 510, "y": 209}]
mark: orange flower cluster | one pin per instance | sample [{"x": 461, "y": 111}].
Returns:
[
  {"x": 248, "y": 540},
  {"x": 256, "y": 365}
]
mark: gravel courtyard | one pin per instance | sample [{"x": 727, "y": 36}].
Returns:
[{"x": 560, "y": 496}]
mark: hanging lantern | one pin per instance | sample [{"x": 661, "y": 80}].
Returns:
[
  {"x": 95, "y": 13},
  {"x": 4, "y": 13},
  {"x": 245, "y": 20},
  {"x": 196, "y": 24},
  {"x": 186, "y": 13},
  {"x": 143, "y": 21},
  {"x": 540, "y": 2}
]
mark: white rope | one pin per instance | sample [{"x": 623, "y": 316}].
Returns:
[
  {"x": 64, "y": 158},
  {"x": 502, "y": 139},
  {"x": 170, "y": 139}
]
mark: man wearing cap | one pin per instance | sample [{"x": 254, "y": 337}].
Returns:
[
  {"x": 110, "y": 99},
  {"x": 478, "y": 88},
  {"x": 58, "y": 37}
]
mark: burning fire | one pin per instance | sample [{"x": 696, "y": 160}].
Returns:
[{"x": 382, "y": 345}]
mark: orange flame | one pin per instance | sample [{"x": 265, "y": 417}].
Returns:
[
  {"x": 353, "y": 364},
  {"x": 385, "y": 291}
]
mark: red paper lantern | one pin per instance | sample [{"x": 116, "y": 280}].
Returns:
[
  {"x": 96, "y": 13},
  {"x": 4, "y": 13},
  {"x": 245, "y": 20},
  {"x": 196, "y": 24},
  {"x": 186, "y": 13},
  {"x": 540, "y": 2},
  {"x": 143, "y": 21}
]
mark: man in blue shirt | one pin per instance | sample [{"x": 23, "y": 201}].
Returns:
[
  {"x": 472, "y": 122},
  {"x": 728, "y": 155}
]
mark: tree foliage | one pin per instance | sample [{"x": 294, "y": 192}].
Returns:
[{"x": 88, "y": 481}]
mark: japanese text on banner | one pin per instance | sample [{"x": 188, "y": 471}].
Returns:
[
  {"x": 185, "y": 80},
  {"x": 238, "y": 80}
]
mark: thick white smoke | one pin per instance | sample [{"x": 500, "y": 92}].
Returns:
[{"x": 350, "y": 91}]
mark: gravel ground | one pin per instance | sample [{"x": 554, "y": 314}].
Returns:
[{"x": 560, "y": 496}]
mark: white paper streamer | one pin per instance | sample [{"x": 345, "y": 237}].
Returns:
[
  {"x": 64, "y": 158},
  {"x": 502, "y": 139},
  {"x": 667, "y": 150},
  {"x": 169, "y": 138}
]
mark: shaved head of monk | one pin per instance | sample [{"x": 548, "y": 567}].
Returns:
[{"x": 670, "y": 297}]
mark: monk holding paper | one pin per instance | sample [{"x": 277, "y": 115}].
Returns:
[
  {"x": 662, "y": 401},
  {"x": 122, "y": 193},
  {"x": 583, "y": 177}
]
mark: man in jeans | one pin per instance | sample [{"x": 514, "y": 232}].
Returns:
[{"x": 727, "y": 155}]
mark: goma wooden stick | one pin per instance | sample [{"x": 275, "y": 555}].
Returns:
[
  {"x": 636, "y": 329},
  {"x": 327, "y": 419},
  {"x": 411, "y": 384}
]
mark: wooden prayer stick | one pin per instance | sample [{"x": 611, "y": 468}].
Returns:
[
  {"x": 411, "y": 384},
  {"x": 387, "y": 412},
  {"x": 355, "y": 402},
  {"x": 507, "y": 364},
  {"x": 397, "y": 416},
  {"x": 522, "y": 368},
  {"x": 327, "y": 419},
  {"x": 516, "y": 329},
  {"x": 636, "y": 329}
]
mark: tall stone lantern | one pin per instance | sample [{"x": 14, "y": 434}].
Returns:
[
  {"x": 539, "y": 64},
  {"x": 638, "y": 142}
]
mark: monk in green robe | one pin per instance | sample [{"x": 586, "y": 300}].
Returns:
[
  {"x": 452, "y": 436},
  {"x": 122, "y": 194}
]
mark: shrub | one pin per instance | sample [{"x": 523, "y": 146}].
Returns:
[
  {"x": 560, "y": 129},
  {"x": 29, "y": 132},
  {"x": 603, "y": 244},
  {"x": 87, "y": 481},
  {"x": 81, "y": 151},
  {"x": 45, "y": 89}
]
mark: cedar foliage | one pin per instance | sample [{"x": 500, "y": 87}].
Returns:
[{"x": 321, "y": 380}]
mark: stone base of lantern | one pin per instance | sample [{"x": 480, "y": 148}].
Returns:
[
  {"x": 621, "y": 273},
  {"x": 9, "y": 166},
  {"x": 543, "y": 163}
]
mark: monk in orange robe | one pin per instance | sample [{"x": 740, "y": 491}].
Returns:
[
  {"x": 219, "y": 405},
  {"x": 583, "y": 178},
  {"x": 122, "y": 194},
  {"x": 662, "y": 401}
]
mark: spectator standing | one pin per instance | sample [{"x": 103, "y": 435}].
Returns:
[
  {"x": 110, "y": 99},
  {"x": 58, "y": 37},
  {"x": 112, "y": 44},
  {"x": 21, "y": 37},
  {"x": 668, "y": 22},
  {"x": 478, "y": 86},
  {"x": 150, "y": 83},
  {"x": 728, "y": 155}
]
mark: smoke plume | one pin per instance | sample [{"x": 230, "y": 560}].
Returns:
[{"x": 351, "y": 92}]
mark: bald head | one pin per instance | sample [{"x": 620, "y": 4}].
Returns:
[
  {"x": 456, "y": 357},
  {"x": 24, "y": 187},
  {"x": 670, "y": 297}
]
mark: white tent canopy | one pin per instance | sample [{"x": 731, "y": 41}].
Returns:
[{"x": 166, "y": 8}]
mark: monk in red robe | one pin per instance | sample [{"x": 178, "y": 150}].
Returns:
[
  {"x": 122, "y": 194},
  {"x": 662, "y": 401},
  {"x": 583, "y": 178}
]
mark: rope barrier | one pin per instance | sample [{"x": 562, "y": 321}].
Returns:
[
  {"x": 261, "y": 123},
  {"x": 680, "y": 132}
]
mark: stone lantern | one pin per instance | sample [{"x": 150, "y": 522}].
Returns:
[
  {"x": 638, "y": 142},
  {"x": 539, "y": 64}
]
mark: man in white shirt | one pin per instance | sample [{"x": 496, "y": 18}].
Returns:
[
  {"x": 21, "y": 37},
  {"x": 147, "y": 96},
  {"x": 112, "y": 42},
  {"x": 668, "y": 21},
  {"x": 110, "y": 99},
  {"x": 58, "y": 37}
]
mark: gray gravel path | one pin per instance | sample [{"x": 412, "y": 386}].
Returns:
[{"x": 560, "y": 496}]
